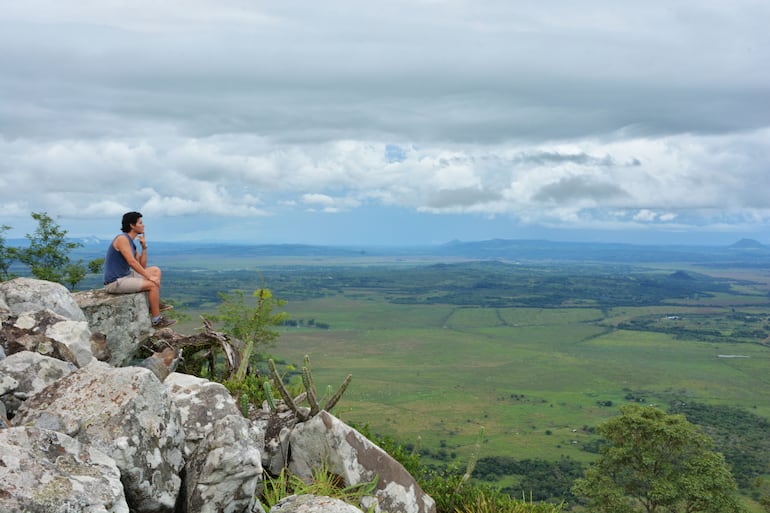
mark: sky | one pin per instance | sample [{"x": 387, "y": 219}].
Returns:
[{"x": 388, "y": 123}]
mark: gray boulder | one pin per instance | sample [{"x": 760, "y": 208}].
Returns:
[
  {"x": 48, "y": 333},
  {"x": 24, "y": 374},
  {"x": 223, "y": 471},
  {"x": 200, "y": 403},
  {"x": 312, "y": 504},
  {"x": 29, "y": 295},
  {"x": 124, "y": 319},
  {"x": 326, "y": 440},
  {"x": 274, "y": 428},
  {"x": 126, "y": 413},
  {"x": 44, "y": 471}
]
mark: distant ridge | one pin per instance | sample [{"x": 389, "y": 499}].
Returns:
[
  {"x": 747, "y": 244},
  {"x": 546, "y": 250},
  {"x": 746, "y": 252}
]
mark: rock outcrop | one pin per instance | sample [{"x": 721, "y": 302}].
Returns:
[
  {"x": 126, "y": 413},
  {"x": 223, "y": 466},
  {"x": 326, "y": 440},
  {"x": 48, "y": 333},
  {"x": 28, "y": 295},
  {"x": 44, "y": 470},
  {"x": 312, "y": 504},
  {"x": 124, "y": 319},
  {"x": 79, "y": 434},
  {"x": 24, "y": 374}
]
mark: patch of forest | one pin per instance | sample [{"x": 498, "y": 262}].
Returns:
[{"x": 739, "y": 434}]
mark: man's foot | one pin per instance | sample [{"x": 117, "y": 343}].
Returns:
[
  {"x": 164, "y": 307},
  {"x": 163, "y": 322}
]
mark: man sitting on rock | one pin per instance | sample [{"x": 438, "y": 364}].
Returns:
[{"x": 125, "y": 272}]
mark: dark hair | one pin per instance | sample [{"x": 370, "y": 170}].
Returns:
[{"x": 129, "y": 218}]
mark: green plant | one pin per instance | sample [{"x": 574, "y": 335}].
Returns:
[
  {"x": 323, "y": 483},
  {"x": 96, "y": 265},
  {"x": 252, "y": 325},
  {"x": 247, "y": 391},
  {"x": 310, "y": 391},
  {"x": 7, "y": 255},
  {"x": 469, "y": 468},
  {"x": 499, "y": 503},
  {"x": 276, "y": 488}
]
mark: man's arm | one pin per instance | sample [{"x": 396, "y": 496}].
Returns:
[
  {"x": 124, "y": 247},
  {"x": 143, "y": 256}
]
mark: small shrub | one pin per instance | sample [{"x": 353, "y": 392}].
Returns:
[{"x": 323, "y": 483}]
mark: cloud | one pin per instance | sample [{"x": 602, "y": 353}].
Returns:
[
  {"x": 329, "y": 204},
  {"x": 648, "y": 216},
  {"x": 590, "y": 115},
  {"x": 463, "y": 197},
  {"x": 577, "y": 189}
]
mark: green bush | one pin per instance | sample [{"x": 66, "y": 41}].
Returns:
[{"x": 323, "y": 483}]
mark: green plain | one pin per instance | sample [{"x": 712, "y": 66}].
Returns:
[{"x": 535, "y": 379}]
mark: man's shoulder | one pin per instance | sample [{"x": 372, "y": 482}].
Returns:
[{"x": 121, "y": 239}]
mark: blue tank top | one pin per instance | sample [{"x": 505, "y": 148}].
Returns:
[{"x": 115, "y": 266}]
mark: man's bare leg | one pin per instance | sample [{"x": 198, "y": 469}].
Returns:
[{"x": 152, "y": 286}]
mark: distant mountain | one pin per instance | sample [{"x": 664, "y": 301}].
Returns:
[{"x": 748, "y": 244}]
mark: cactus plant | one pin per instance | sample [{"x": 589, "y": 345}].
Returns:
[{"x": 310, "y": 393}]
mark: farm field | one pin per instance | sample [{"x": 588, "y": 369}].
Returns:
[
  {"x": 536, "y": 355},
  {"x": 533, "y": 378}
]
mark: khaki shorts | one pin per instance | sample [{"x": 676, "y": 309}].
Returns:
[{"x": 132, "y": 282}]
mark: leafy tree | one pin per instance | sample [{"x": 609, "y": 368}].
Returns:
[
  {"x": 48, "y": 253},
  {"x": 7, "y": 255},
  {"x": 251, "y": 324},
  {"x": 74, "y": 273},
  {"x": 95, "y": 265},
  {"x": 657, "y": 463}
]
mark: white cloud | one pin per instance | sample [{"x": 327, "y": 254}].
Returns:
[
  {"x": 329, "y": 204},
  {"x": 645, "y": 215}
]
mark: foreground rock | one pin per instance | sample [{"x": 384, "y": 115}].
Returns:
[
  {"x": 123, "y": 318},
  {"x": 326, "y": 440},
  {"x": 312, "y": 504},
  {"x": 86, "y": 435},
  {"x": 24, "y": 374},
  {"x": 126, "y": 413},
  {"x": 22, "y": 295},
  {"x": 42, "y": 471},
  {"x": 223, "y": 473},
  {"x": 46, "y": 332}
]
